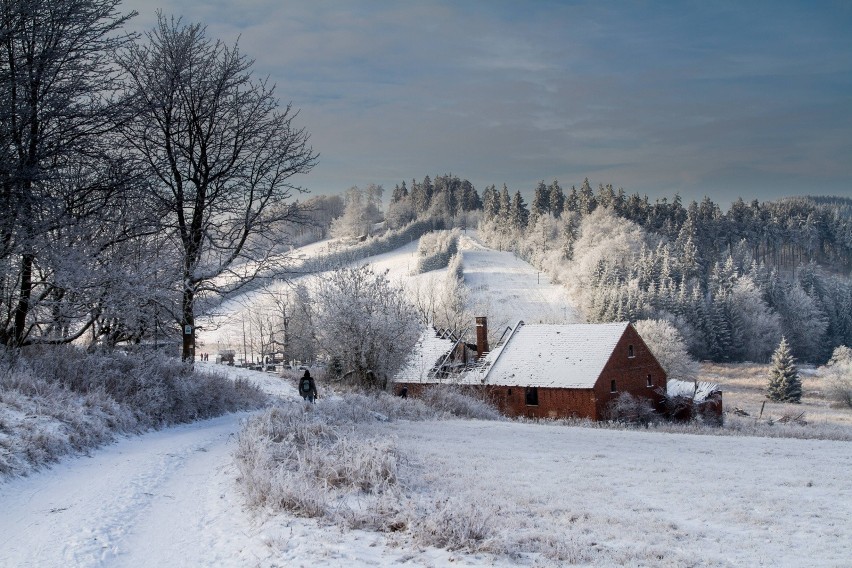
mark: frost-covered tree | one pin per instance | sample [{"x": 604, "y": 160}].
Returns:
[
  {"x": 556, "y": 199},
  {"x": 759, "y": 327},
  {"x": 221, "y": 154},
  {"x": 490, "y": 202},
  {"x": 784, "y": 382},
  {"x": 518, "y": 213},
  {"x": 541, "y": 200},
  {"x": 60, "y": 165},
  {"x": 292, "y": 318},
  {"x": 365, "y": 321},
  {"x": 359, "y": 213},
  {"x": 838, "y": 376},
  {"x": 605, "y": 247},
  {"x": 669, "y": 348},
  {"x": 400, "y": 213},
  {"x": 586, "y": 202},
  {"x": 803, "y": 321}
]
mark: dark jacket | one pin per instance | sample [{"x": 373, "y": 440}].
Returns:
[{"x": 307, "y": 387}]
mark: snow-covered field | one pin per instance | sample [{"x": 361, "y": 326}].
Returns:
[
  {"x": 588, "y": 496},
  {"x": 596, "y": 497}
]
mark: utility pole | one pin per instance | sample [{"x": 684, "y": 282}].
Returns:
[{"x": 245, "y": 354}]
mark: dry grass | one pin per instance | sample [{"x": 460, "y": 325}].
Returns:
[
  {"x": 744, "y": 387},
  {"x": 56, "y": 401}
]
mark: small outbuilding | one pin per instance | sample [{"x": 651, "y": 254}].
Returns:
[{"x": 553, "y": 371}]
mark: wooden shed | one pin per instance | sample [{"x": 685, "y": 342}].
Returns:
[{"x": 560, "y": 371}]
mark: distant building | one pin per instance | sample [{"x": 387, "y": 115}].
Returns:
[{"x": 546, "y": 371}]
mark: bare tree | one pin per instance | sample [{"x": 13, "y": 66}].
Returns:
[
  {"x": 222, "y": 153},
  {"x": 293, "y": 333},
  {"x": 57, "y": 159}
]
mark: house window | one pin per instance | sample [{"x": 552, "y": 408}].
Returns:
[
  {"x": 650, "y": 381},
  {"x": 612, "y": 386},
  {"x": 508, "y": 392},
  {"x": 630, "y": 352},
  {"x": 532, "y": 396}
]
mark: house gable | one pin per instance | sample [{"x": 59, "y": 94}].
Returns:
[{"x": 631, "y": 368}]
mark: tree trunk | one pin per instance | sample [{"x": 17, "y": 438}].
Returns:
[
  {"x": 23, "y": 307},
  {"x": 188, "y": 324}
]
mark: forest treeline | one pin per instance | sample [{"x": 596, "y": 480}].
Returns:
[{"x": 732, "y": 282}]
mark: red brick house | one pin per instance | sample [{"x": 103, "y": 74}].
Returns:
[{"x": 559, "y": 371}]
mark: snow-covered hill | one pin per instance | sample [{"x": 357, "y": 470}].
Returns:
[{"x": 502, "y": 286}]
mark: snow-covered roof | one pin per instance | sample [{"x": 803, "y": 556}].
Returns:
[
  {"x": 543, "y": 355},
  {"x": 426, "y": 353},
  {"x": 701, "y": 389}
]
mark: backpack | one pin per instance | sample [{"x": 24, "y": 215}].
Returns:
[{"x": 305, "y": 385}]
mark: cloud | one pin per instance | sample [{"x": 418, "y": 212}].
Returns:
[{"x": 697, "y": 98}]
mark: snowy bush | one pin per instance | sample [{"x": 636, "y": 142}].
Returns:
[
  {"x": 329, "y": 460},
  {"x": 436, "y": 249},
  {"x": 628, "y": 408},
  {"x": 59, "y": 400},
  {"x": 838, "y": 376},
  {"x": 456, "y": 523},
  {"x": 460, "y": 404},
  {"x": 299, "y": 459},
  {"x": 392, "y": 240},
  {"x": 455, "y": 269}
]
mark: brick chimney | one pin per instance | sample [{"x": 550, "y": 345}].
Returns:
[{"x": 481, "y": 336}]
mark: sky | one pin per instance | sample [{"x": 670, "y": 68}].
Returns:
[{"x": 723, "y": 99}]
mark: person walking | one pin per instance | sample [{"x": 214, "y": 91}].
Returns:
[{"x": 307, "y": 387}]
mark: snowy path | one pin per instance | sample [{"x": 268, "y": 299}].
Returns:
[
  {"x": 165, "y": 498},
  {"x": 156, "y": 500},
  {"x": 514, "y": 289}
]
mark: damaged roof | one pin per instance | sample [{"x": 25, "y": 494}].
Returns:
[{"x": 545, "y": 355}]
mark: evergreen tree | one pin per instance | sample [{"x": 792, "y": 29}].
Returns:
[
  {"x": 504, "y": 203},
  {"x": 519, "y": 214},
  {"x": 541, "y": 200},
  {"x": 469, "y": 198},
  {"x": 586, "y": 202},
  {"x": 572, "y": 200},
  {"x": 784, "y": 382},
  {"x": 490, "y": 202},
  {"x": 557, "y": 199}
]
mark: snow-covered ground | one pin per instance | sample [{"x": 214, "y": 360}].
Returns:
[
  {"x": 605, "y": 497},
  {"x": 511, "y": 288},
  {"x": 502, "y": 286},
  {"x": 598, "y": 497}
]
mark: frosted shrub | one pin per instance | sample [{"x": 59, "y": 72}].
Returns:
[
  {"x": 628, "y": 408},
  {"x": 358, "y": 407},
  {"x": 295, "y": 458},
  {"x": 333, "y": 460},
  {"x": 838, "y": 376},
  {"x": 59, "y": 400},
  {"x": 457, "y": 524},
  {"x": 458, "y": 403},
  {"x": 436, "y": 249}
]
